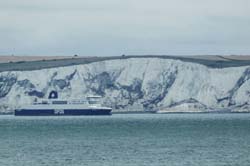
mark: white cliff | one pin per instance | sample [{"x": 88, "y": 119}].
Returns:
[{"x": 134, "y": 84}]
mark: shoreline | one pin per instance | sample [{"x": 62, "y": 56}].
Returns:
[{"x": 148, "y": 112}]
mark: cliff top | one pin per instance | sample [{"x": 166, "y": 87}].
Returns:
[{"x": 20, "y": 63}]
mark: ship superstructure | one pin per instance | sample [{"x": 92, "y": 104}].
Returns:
[{"x": 54, "y": 106}]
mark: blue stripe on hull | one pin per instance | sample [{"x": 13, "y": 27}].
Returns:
[{"x": 52, "y": 112}]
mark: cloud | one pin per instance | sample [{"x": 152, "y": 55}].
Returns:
[{"x": 113, "y": 27}]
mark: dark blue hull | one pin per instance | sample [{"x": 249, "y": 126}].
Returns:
[{"x": 52, "y": 112}]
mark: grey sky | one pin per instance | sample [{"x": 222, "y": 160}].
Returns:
[{"x": 115, "y": 27}]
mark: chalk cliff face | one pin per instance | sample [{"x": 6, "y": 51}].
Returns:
[{"x": 134, "y": 84}]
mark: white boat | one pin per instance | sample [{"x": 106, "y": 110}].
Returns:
[{"x": 54, "y": 106}]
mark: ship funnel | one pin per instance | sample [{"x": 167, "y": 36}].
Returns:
[{"x": 53, "y": 95}]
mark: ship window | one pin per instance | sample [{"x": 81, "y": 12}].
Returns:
[
  {"x": 93, "y": 102},
  {"x": 59, "y": 102}
]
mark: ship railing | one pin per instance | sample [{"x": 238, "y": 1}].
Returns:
[
  {"x": 93, "y": 100},
  {"x": 78, "y": 101}
]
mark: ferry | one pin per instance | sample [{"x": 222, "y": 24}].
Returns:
[{"x": 56, "y": 107}]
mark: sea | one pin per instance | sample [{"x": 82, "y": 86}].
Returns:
[{"x": 126, "y": 140}]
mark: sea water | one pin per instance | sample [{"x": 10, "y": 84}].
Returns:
[{"x": 126, "y": 139}]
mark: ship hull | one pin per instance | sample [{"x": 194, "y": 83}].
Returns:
[{"x": 61, "y": 112}]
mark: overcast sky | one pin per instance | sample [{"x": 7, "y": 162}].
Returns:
[{"x": 115, "y": 27}]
